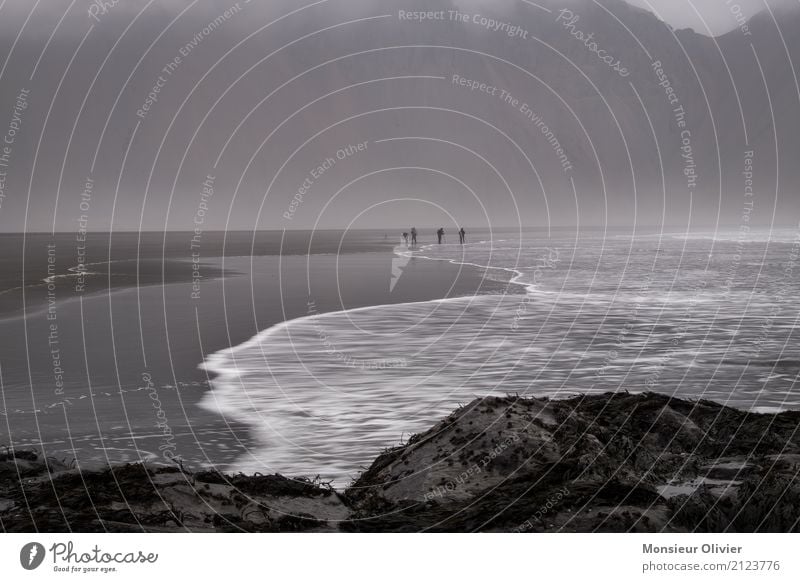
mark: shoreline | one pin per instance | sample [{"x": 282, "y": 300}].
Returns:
[
  {"x": 212, "y": 362},
  {"x": 225, "y": 377},
  {"x": 114, "y": 421}
]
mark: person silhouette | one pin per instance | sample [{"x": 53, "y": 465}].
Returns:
[
  {"x": 413, "y": 235},
  {"x": 405, "y": 238},
  {"x": 440, "y": 234},
  {"x": 462, "y": 235}
]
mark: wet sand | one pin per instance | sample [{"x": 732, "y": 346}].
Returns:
[{"x": 117, "y": 378}]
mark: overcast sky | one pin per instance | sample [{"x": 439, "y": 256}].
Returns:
[{"x": 276, "y": 87}]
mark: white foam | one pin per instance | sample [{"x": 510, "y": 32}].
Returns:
[{"x": 325, "y": 393}]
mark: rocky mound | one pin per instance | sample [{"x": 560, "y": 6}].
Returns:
[
  {"x": 613, "y": 462},
  {"x": 43, "y": 495}
]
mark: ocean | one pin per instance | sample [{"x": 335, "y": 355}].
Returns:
[
  {"x": 707, "y": 315},
  {"x": 309, "y": 353},
  {"x": 100, "y": 364}
]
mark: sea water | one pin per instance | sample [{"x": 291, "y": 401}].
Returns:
[{"x": 702, "y": 316}]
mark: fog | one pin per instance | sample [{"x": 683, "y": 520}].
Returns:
[{"x": 146, "y": 101}]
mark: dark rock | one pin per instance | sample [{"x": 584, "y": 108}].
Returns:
[
  {"x": 609, "y": 463},
  {"x": 612, "y": 462}
]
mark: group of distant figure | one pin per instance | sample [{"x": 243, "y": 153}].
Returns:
[{"x": 462, "y": 236}]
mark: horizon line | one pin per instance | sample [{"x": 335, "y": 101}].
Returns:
[{"x": 393, "y": 228}]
